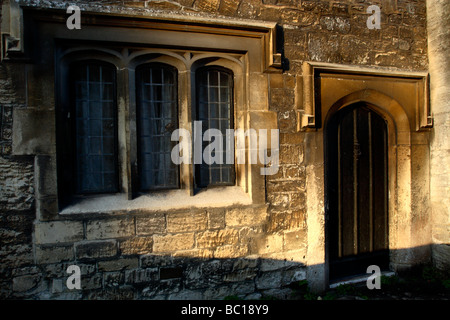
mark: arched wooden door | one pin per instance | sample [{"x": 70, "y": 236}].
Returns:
[{"x": 356, "y": 191}]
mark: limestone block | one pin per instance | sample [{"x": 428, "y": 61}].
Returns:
[
  {"x": 294, "y": 240},
  {"x": 110, "y": 228},
  {"x": 269, "y": 243},
  {"x": 216, "y": 219},
  {"x": 245, "y": 217},
  {"x": 273, "y": 264},
  {"x": 92, "y": 282},
  {"x": 118, "y": 264},
  {"x": 286, "y": 220},
  {"x": 137, "y": 245},
  {"x": 186, "y": 295},
  {"x": 96, "y": 249},
  {"x": 173, "y": 242},
  {"x": 248, "y": 262},
  {"x": 207, "y": 5},
  {"x": 215, "y": 238},
  {"x": 149, "y": 225},
  {"x": 33, "y": 132},
  {"x": 45, "y": 173},
  {"x": 291, "y": 154},
  {"x": 187, "y": 221},
  {"x": 240, "y": 275},
  {"x": 155, "y": 260},
  {"x": 58, "y": 232},
  {"x": 269, "y": 280},
  {"x": 230, "y": 251},
  {"x": 258, "y": 99},
  {"x": 25, "y": 282},
  {"x": 195, "y": 254},
  {"x": 113, "y": 279},
  {"x": 16, "y": 185},
  {"x": 53, "y": 254}
]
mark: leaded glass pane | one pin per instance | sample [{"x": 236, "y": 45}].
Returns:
[
  {"x": 157, "y": 118},
  {"x": 215, "y": 110},
  {"x": 95, "y": 128}
]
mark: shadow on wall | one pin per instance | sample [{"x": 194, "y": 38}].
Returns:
[{"x": 161, "y": 277}]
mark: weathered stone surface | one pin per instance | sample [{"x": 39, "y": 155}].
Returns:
[
  {"x": 113, "y": 279},
  {"x": 156, "y": 260},
  {"x": 228, "y": 7},
  {"x": 149, "y": 225},
  {"x": 141, "y": 275},
  {"x": 118, "y": 264},
  {"x": 196, "y": 253},
  {"x": 207, "y": 5},
  {"x": 216, "y": 219},
  {"x": 58, "y": 232},
  {"x": 240, "y": 275},
  {"x": 16, "y": 185},
  {"x": 162, "y": 287},
  {"x": 187, "y": 222},
  {"x": 121, "y": 292},
  {"x": 269, "y": 280},
  {"x": 54, "y": 254},
  {"x": 92, "y": 282},
  {"x": 286, "y": 220},
  {"x": 245, "y": 217},
  {"x": 173, "y": 242},
  {"x": 210, "y": 239},
  {"x": 96, "y": 249},
  {"x": 59, "y": 270},
  {"x": 438, "y": 15},
  {"x": 230, "y": 251},
  {"x": 335, "y": 23},
  {"x": 294, "y": 240},
  {"x": 291, "y": 154},
  {"x": 269, "y": 243},
  {"x": 46, "y": 181},
  {"x": 136, "y": 245},
  {"x": 29, "y": 124},
  {"x": 25, "y": 282},
  {"x": 186, "y": 295},
  {"x": 110, "y": 228}
]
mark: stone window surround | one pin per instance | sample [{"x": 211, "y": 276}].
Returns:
[
  {"x": 401, "y": 98},
  {"x": 246, "y": 48},
  {"x": 126, "y": 61}
]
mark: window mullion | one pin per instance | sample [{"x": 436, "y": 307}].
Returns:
[{"x": 126, "y": 132}]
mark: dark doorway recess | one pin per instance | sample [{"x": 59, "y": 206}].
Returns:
[{"x": 356, "y": 191}]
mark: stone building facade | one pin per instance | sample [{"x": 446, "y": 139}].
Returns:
[{"x": 295, "y": 65}]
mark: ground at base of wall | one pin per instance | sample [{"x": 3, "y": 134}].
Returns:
[{"x": 422, "y": 283}]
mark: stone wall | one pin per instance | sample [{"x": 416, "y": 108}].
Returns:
[
  {"x": 438, "y": 40},
  {"x": 16, "y": 196},
  {"x": 198, "y": 253}
]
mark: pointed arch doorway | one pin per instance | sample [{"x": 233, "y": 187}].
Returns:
[{"x": 356, "y": 159}]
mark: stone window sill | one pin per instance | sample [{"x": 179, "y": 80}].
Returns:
[{"x": 168, "y": 200}]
